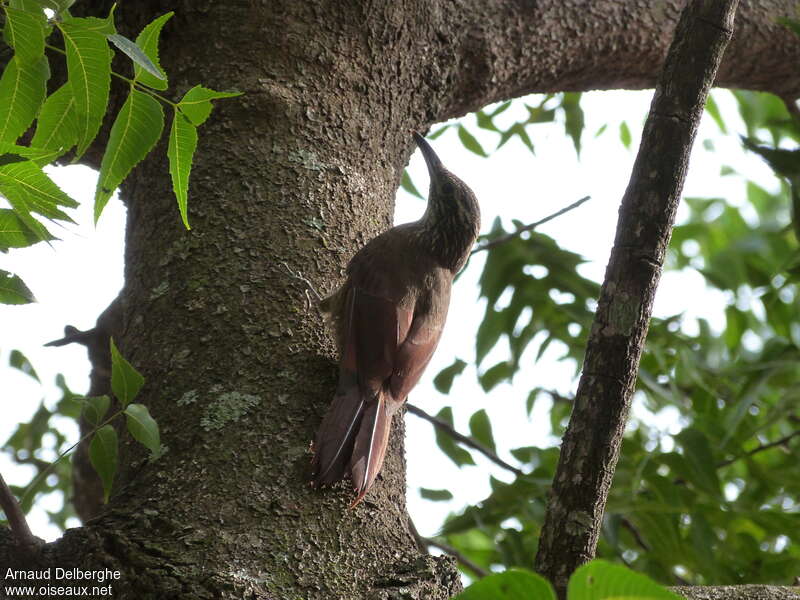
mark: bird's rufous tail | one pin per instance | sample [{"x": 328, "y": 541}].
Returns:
[{"x": 352, "y": 438}]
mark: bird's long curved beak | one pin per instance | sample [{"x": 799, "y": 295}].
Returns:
[{"x": 433, "y": 162}]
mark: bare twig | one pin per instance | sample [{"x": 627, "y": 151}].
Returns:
[
  {"x": 15, "y": 517},
  {"x": 761, "y": 448},
  {"x": 510, "y": 236},
  {"x": 462, "y": 439},
  {"x": 424, "y": 543},
  {"x": 478, "y": 570}
]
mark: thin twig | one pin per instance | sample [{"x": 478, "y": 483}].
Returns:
[
  {"x": 510, "y": 236},
  {"x": 760, "y": 448},
  {"x": 424, "y": 543},
  {"x": 478, "y": 570},
  {"x": 15, "y": 517},
  {"x": 462, "y": 439}
]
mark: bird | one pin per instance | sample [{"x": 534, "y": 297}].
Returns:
[{"x": 388, "y": 317}]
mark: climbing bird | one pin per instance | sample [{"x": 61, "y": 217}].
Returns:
[{"x": 388, "y": 317}]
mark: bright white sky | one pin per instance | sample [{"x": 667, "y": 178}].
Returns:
[{"x": 80, "y": 275}]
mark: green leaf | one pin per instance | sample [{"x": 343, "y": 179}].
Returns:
[
  {"x": 196, "y": 104},
  {"x": 13, "y": 232},
  {"x": 573, "y": 118},
  {"x": 13, "y": 290},
  {"x": 444, "y": 380},
  {"x": 22, "y": 90},
  {"x": 95, "y": 409},
  {"x": 409, "y": 186},
  {"x": 131, "y": 50},
  {"x": 89, "y": 74},
  {"x": 435, "y": 495},
  {"x": 502, "y": 371},
  {"x": 19, "y": 361},
  {"x": 134, "y": 133},
  {"x": 700, "y": 460},
  {"x": 57, "y": 124},
  {"x": 452, "y": 450},
  {"x": 513, "y": 584},
  {"x": 147, "y": 40},
  {"x": 713, "y": 110},
  {"x": 103, "y": 455},
  {"x": 182, "y": 144},
  {"x": 143, "y": 428},
  {"x": 469, "y": 141},
  {"x": 600, "y": 580},
  {"x": 480, "y": 428},
  {"x": 625, "y": 135},
  {"x": 28, "y": 189},
  {"x": 125, "y": 380},
  {"x": 25, "y": 32}
]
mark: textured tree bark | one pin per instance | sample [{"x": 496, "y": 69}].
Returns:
[
  {"x": 592, "y": 442},
  {"x": 302, "y": 170}
]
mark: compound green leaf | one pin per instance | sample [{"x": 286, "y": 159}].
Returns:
[
  {"x": 134, "y": 133},
  {"x": 182, "y": 144}
]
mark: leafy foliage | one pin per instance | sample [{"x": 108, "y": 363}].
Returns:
[
  {"x": 716, "y": 499},
  {"x": 27, "y": 442},
  {"x": 597, "y": 580},
  {"x": 71, "y": 117}
]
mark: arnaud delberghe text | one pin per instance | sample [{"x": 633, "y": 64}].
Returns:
[{"x": 49, "y": 574}]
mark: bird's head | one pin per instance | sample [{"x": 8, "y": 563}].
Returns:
[
  {"x": 453, "y": 216},
  {"x": 448, "y": 194}
]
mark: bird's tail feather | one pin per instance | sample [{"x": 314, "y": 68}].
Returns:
[
  {"x": 333, "y": 444},
  {"x": 369, "y": 449}
]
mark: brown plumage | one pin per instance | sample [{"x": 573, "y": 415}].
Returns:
[{"x": 388, "y": 317}]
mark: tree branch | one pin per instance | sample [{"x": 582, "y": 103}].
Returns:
[
  {"x": 479, "y": 571},
  {"x": 591, "y": 445},
  {"x": 784, "y": 440},
  {"x": 510, "y": 236},
  {"x": 462, "y": 439},
  {"x": 16, "y": 518}
]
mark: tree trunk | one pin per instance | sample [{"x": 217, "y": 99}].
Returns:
[{"x": 299, "y": 173}]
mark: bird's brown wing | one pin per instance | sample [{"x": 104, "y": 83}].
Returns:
[{"x": 357, "y": 421}]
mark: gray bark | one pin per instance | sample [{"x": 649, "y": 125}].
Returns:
[{"x": 303, "y": 170}]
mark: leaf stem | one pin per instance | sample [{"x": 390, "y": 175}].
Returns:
[
  {"x": 32, "y": 485},
  {"x": 132, "y": 82}
]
